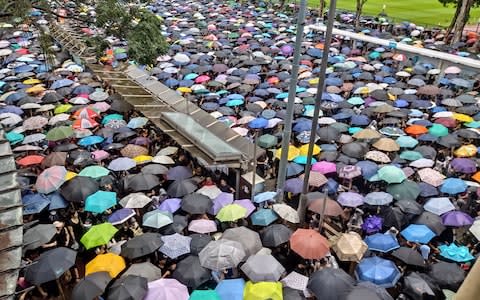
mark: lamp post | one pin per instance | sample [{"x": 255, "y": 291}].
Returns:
[{"x": 321, "y": 82}]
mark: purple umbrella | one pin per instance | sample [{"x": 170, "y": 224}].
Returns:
[
  {"x": 372, "y": 224},
  {"x": 247, "y": 204},
  {"x": 170, "y": 205},
  {"x": 222, "y": 200},
  {"x": 121, "y": 215},
  {"x": 179, "y": 173},
  {"x": 286, "y": 50},
  {"x": 350, "y": 199},
  {"x": 464, "y": 165},
  {"x": 293, "y": 185},
  {"x": 457, "y": 219}
]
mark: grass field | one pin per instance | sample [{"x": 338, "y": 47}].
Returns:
[{"x": 423, "y": 12}]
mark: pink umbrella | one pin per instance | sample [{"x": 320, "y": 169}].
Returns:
[
  {"x": 202, "y": 79},
  {"x": 99, "y": 155},
  {"x": 202, "y": 226},
  {"x": 166, "y": 289},
  {"x": 324, "y": 167},
  {"x": 51, "y": 179},
  {"x": 100, "y": 106},
  {"x": 247, "y": 204}
]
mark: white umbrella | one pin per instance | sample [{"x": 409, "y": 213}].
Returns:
[
  {"x": 211, "y": 192},
  {"x": 286, "y": 212},
  {"x": 262, "y": 268},
  {"x": 135, "y": 200}
]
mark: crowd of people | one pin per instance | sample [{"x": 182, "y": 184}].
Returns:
[{"x": 114, "y": 209}]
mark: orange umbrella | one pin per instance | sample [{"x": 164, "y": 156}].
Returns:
[
  {"x": 30, "y": 160},
  {"x": 111, "y": 263},
  {"x": 476, "y": 176},
  {"x": 309, "y": 244},
  {"x": 416, "y": 129}
]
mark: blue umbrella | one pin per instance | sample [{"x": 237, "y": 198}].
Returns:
[
  {"x": 12, "y": 109},
  {"x": 235, "y": 96},
  {"x": 100, "y": 201},
  {"x": 406, "y": 141},
  {"x": 61, "y": 83},
  {"x": 294, "y": 169},
  {"x": 90, "y": 140},
  {"x": 234, "y": 102},
  {"x": 138, "y": 122},
  {"x": 281, "y": 96},
  {"x": 302, "y": 126},
  {"x": 231, "y": 289},
  {"x": 379, "y": 271},
  {"x": 122, "y": 164},
  {"x": 359, "y": 120},
  {"x": 83, "y": 89},
  {"x": 293, "y": 185},
  {"x": 34, "y": 203},
  {"x": 265, "y": 196},
  {"x": 418, "y": 233},
  {"x": 170, "y": 205},
  {"x": 263, "y": 217},
  {"x": 368, "y": 168},
  {"x": 453, "y": 186},
  {"x": 258, "y": 123},
  {"x": 335, "y": 81},
  {"x": 302, "y": 160},
  {"x": 56, "y": 201},
  {"x": 455, "y": 253},
  {"x": 121, "y": 215},
  {"x": 382, "y": 242}
]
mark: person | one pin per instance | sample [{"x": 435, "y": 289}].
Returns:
[
  {"x": 425, "y": 251},
  {"x": 125, "y": 232},
  {"x": 224, "y": 187},
  {"x": 75, "y": 228},
  {"x": 61, "y": 237}
]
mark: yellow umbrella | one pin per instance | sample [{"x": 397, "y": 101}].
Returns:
[
  {"x": 31, "y": 81},
  {"x": 62, "y": 108},
  {"x": 36, "y": 89},
  {"x": 111, "y": 263},
  {"x": 466, "y": 151},
  {"x": 141, "y": 159},
  {"x": 391, "y": 97},
  {"x": 70, "y": 175},
  {"x": 263, "y": 290},
  {"x": 364, "y": 90},
  {"x": 292, "y": 152},
  {"x": 184, "y": 89},
  {"x": 367, "y": 134},
  {"x": 313, "y": 81},
  {"x": 304, "y": 150},
  {"x": 462, "y": 118}
]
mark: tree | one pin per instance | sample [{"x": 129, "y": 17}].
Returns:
[
  {"x": 358, "y": 12},
  {"x": 460, "y": 18}
]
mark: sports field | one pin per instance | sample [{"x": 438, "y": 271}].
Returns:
[{"x": 423, "y": 12}]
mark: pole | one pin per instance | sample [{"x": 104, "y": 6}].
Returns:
[
  {"x": 287, "y": 129},
  {"x": 321, "y": 82},
  {"x": 254, "y": 172}
]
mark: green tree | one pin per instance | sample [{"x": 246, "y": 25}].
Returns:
[
  {"x": 358, "y": 12},
  {"x": 460, "y": 17}
]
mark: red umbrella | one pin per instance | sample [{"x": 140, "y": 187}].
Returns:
[
  {"x": 85, "y": 113},
  {"x": 30, "y": 160},
  {"x": 447, "y": 122},
  {"x": 309, "y": 244},
  {"x": 202, "y": 79},
  {"x": 84, "y": 123}
]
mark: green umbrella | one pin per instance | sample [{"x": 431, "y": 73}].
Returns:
[
  {"x": 356, "y": 101},
  {"x": 267, "y": 141},
  {"x": 204, "y": 295},
  {"x": 98, "y": 235},
  {"x": 438, "y": 130},
  {"x": 233, "y": 35},
  {"x": 391, "y": 174},
  {"x": 59, "y": 133},
  {"x": 231, "y": 213},
  {"x": 14, "y": 137},
  {"x": 94, "y": 172},
  {"x": 407, "y": 190},
  {"x": 406, "y": 141},
  {"x": 374, "y": 55},
  {"x": 411, "y": 155},
  {"x": 63, "y": 108},
  {"x": 110, "y": 117}
]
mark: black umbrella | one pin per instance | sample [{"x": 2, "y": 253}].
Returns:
[
  {"x": 467, "y": 133},
  {"x": 432, "y": 221},
  {"x": 196, "y": 203},
  {"x": 328, "y": 134},
  {"x": 291, "y": 294},
  {"x": 332, "y": 284},
  {"x": 50, "y": 265},
  {"x": 409, "y": 256},
  {"x": 91, "y": 286},
  {"x": 38, "y": 235},
  {"x": 144, "y": 269},
  {"x": 449, "y": 141},
  {"x": 393, "y": 217},
  {"x": 141, "y": 182},
  {"x": 427, "y": 151},
  {"x": 355, "y": 150},
  {"x": 379, "y": 291},
  {"x": 362, "y": 293},
  {"x": 155, "y": 169},
  {"x": 180, "y": 188},
  {"x": 120, "y": 105},
  {"x": 79, "y": 188},
  {"x": 198, "y": 242},
  {"x": 65, "y": 147},
  {"x": 417, "y": 288},
  {"x": 447, "y": 275},
  {"x": 142, "y": 245},
  {"x": 130, "y": 287},
  {"x": 409, "y": 207},
  {"x": 191, "y": 273},
  {"x": 275, "y": 235}
]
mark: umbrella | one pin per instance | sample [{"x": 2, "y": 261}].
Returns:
[
  {"x": 418, "y": 233},
  {"x": 157, "y": 219},
  {"x": 202, "y": 226},
  {"x": 170, "y": 205},
  {"x": 409, "y": 256},
  {"x": 263, "y": 217},
  {"x": 262, "y": 268},
  {"x": 447, "y": 275},
  {"x": 263, "y": 290},
  {"x": 204, "y": 295},
  {"x": 432, "y": 221},
  {"x": 144, "y": 269},
  {"x": 332, "y": 208},
  {"x": 129, "y": 287},
  {"x": 249, "y": 239},
  {"x": 286, "y": 212},
  {"x": 439, "y": 206},
  {"x": 51, "y": 179},
  {"x": 59, "y": 133},
  {"x": 91, "y": 286},
  {"x": 391, "y": 174},
  {"x": 122, "y": 164},
  {"x": 350, "y": 199},
  {"x": 231, "y": 213},
  {"x": 350, "y": 247},
  {"x": 196, "y": 203},
  {"x": 98, "y": 235},
  {"x": 94, "y": 172},
  {"x": 100, "y": 201},
  {"x": 55, "y": 159},
  {"x": 179, "y": 173},
  {"x": 190, "y": 272},
  {"x": 175, "y": 245},
  {"x": 121, "y": 216},
  {"x": 431, "y": 176},
  {"x": 386, "y": 144},
  {"x": 378, "y": 198},
  {"x": 180, "y": 188},
  {"x": 166, "y": 289},
  {"x": 141, "y": 182},
  {"x": 109, "y": 262},
  {"x": 79, "y": 188},
  {"x": 274, "y": 235},
  {"x": 404, "y": 191},
  {"x": 135, "y": 200},
  {"x": 231, "y": 289},
  {"x": 221, "y": 254},
  {"x": 455, "y": 253},
  {"x": 330, "y": 283},
  {"x": 382, "y": 242},
  {"x": 309, "y": 244},
  {"x": 211, "y": 191},
  {"x": 50, "y": 265},
  {"x": 453, "y": 186},
  {"x": 378, "y": 271},
  {"x": 38, "y": 235},
  {"x": 417, "y": 287},
  {"x": 141, "y": 245}
]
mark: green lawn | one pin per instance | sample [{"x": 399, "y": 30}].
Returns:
[{"x": 425, "y": 12}]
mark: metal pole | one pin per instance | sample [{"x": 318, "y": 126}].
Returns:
[
  {"x": 254, "y": 172},
  {"x": 324, "y": 206},
  {"x": 287, "y": 130},
  {"x": 321, "y": 82}
]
